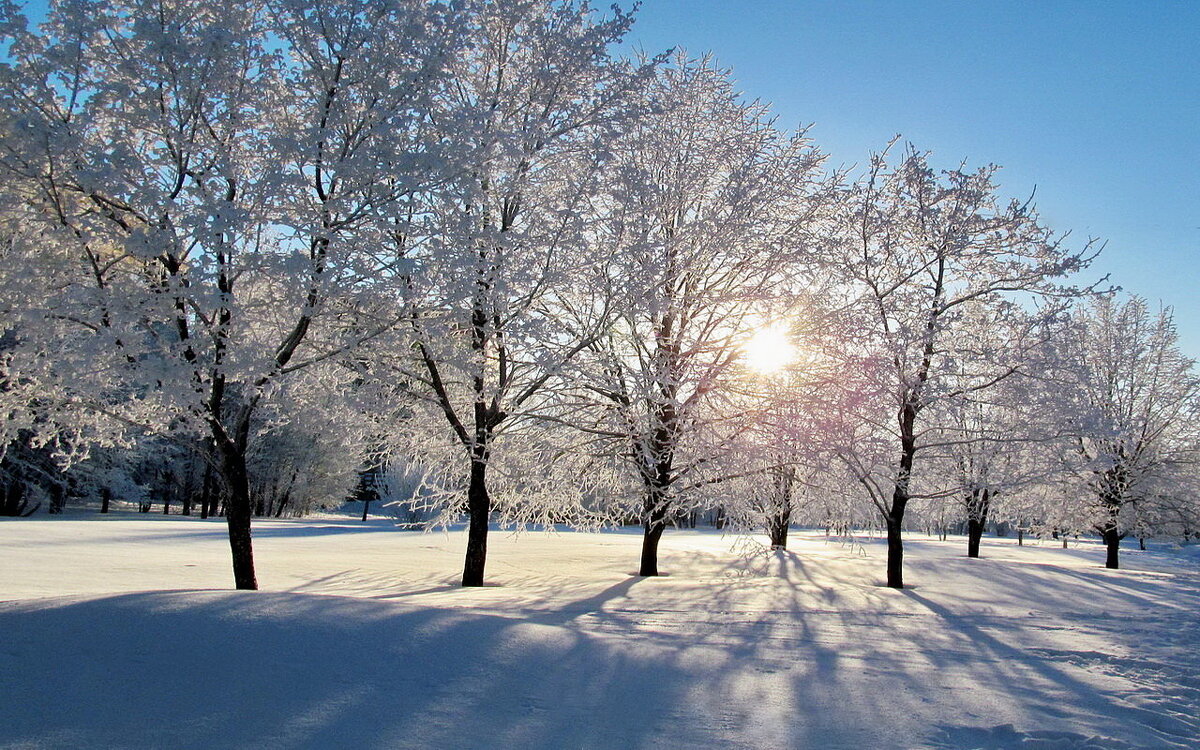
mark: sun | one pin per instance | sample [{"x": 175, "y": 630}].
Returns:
[{"x": 770, "y": 349}]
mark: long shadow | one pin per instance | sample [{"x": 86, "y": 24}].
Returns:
[
  {"x": 282, "y": 670},
  {"x": 1010, "y": 659}
]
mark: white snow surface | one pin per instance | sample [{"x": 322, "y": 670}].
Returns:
[{"x": 121, "y": 631}]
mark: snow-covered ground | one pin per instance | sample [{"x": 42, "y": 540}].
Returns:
[{"x": 119, "y": 632}]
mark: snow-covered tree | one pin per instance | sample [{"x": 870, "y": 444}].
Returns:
[
  {"x": 1134, "y": 403},
  {"x": 986, "y": 445},
  {"x": 497, "y": 276},
  {"x": 923, "y": 251},
  {"x": 210, "y": 175},
  {"x": 710, "y": 205}
]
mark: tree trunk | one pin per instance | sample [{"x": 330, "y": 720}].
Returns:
[
  {"x": 894, "y": 518},
  {"x": 366, "y": 507},
  {"x": 1112, "y": 541},
  {"x": 895, "y": 559},
  {"x": 105, "y": 499},
  {"x": 479, "y": 509},
  {"x": 652, "y": 533},
  {"x": 1020, "y": 537},
  {"x": 206, "y": 493},
  {"x": 58, "y": 498},
  {"x": 974, "y": 534},
  {"x": 238, "y": 507},
  {"x": 779, "y": 528},
  {"x": 978, "y": 505},
  {"x": 1142, "y": 543}
]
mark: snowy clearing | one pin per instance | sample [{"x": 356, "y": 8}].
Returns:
[{"x": 119, "y": 631}]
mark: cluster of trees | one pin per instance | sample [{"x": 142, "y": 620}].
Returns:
[{"x": 255, "y": 257}]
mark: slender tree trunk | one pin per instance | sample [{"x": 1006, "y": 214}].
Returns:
[
  {"x": 1020, "y": 537},
  {"x": 779, "y": 529},
  {"x": 105, "y": 499},
  {"x": 974, "y": 534},
  {"x": 895, "y": 515},
  {"x": 479, "y": 509},
  {"x": 238, "y": 511},
  {"x": 654, "y": 521},
  {"x": 1142, "y": 543},
  {"x": 1112, "y": 543},
  {"x": 207, "y": 490},
  {"x": 778, "y": 522},
  {"x": 895, "y": 522},
  {"x": 652, "y": 533},
  {"x": 978, "y": 505},
  {"x": 58, "y": 498},
  {"x": 206, "y": 493},
  {"x": 895, "y": 559},
  {"x": 366, "y": 507}
]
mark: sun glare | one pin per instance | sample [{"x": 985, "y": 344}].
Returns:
[{"x": 770, "y": 350}]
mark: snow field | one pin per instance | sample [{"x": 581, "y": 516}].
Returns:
[{"x": 120, "y": 632}]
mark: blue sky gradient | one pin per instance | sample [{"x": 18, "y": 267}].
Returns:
[{"x": 1096, "y": 103}]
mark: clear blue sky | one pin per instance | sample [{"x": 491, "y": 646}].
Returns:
[{"x": 1095, "y": 102}]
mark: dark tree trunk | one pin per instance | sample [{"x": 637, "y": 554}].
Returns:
[
  {"x": 781, "y": 515},
  {"x": 58, "y": 498},
  {"x": 478, "y": 509},
  {"x": 206, "y": 493},
  {"x": 652, "y": 533},
  {"x": 366, "y": 507},
  {"x": 894, "y": 518},
  {"x": 978, "y": 505},
  {"x": 895, "y": 559},
  {"x": 238, "y": 507},
  {"x": 1064, "y": 541},
  {"x": 779, "y": 531},
  {"x": 1112, "y": 543},
  {"x": 105, "y": 499},
  {"x": 1020, "y": 537},
  {"x": 1142, "y": 543},
  {"x": 14, "y": 500},
  {"x": 207, "y": 490},
  {"x": 974, "y": 534}
]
